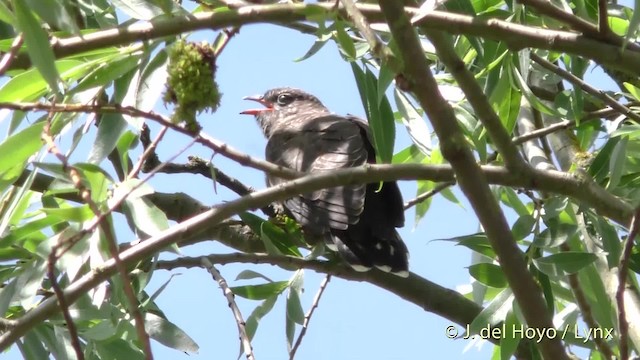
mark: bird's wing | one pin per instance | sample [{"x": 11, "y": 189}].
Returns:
[{"x": 322, "y": 144}]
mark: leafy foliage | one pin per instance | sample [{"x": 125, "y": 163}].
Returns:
[{"x": 92, "y": 63}]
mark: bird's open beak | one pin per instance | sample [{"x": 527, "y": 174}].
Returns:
[{"x": 257, "y": 98}]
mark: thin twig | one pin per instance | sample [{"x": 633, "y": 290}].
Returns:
[
  {"x": 576, "y": 81},
  {"x": 85, "y": 193},
  {"x": 585, "y": 310},
  {"x": 378, "y": 48},
  {"x": 427, "y": 194},
  {"x": 53, "y": 257},
  {"x": 575, "y": 22},
  {"x": 244, "y": 338},
  {"x": 308, "y": 315},
  {"x": 149, "y": 151},
  {"x": 628, "y": 243},
  {"x": 228, "y": 35},
  {"x": 603, "y": 18},
  {"x": 9, "y": 56},
  {"x": 202, "y": 138},
  {"x": 565, "y": 124}
]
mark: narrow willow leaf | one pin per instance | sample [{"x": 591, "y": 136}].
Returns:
[
  {"x": 509, "y": 340},
  {"x": 495, "y": 312},
  {"x": 109, "y": 132},
  {"x": 413, "y": 121},
  {"x": 564, "y": 263},
  {"x": 617, "y": 162},
  {"x": 345, "y": 41},
  {"x": 258, "y": 313},
  {"x": 146, "y": 216},
  {"x": 294, "y": 306},
  {"x": 488, "y": 274},
  {"x": 250, "y": 274},
  {"x": 555, "y": 236},
  {"x": 37, "y": 43},
  {"x": 54, "y": 13},
  {"x": 168, "y": 334},
  {"x": 261, "y": 291}
]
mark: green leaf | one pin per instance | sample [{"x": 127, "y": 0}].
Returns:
[
  {"x": 261, "y": 291},
  {"x": 139, "y": 9},
  {"x": 495, "y": 312},
  {"x": 152, "y": 80},
  {"x": 385, "y": 77},
  {"x": 505, "y": 100},
  {"x": 250, "y": 274},
  {"x": 168, "y": 334},
  {"x": 413, "y": 121},
  {"x": 54, "y": 13},
  {"x": 146, "y": 216},
  {"x": 37, "y": 43},
  {"x": 109, "y": 131},
  {"x": 531, "y": 97},
  {"x": 108, "y": 69},
  {"x": 33, "y": 349},
  {"x": 101, "y": 331},
  {"x": 16, "y": 150},
  {"x": 258, "y": 313},
  {"x": 610, "y": 239},
  {"x": 97, "y": 179},
  {"x": 617, "y": 162},
  {"x": 317, "y": 45},
  {"x": 423, "y": 206},
  {"x": 30, "y": 85},
  {"x": 476, "y": 242},
  {"x": 564, "y": 263},
  {"x": 77, "y": 214},
  {"x": 511, "y": 199},
  {"x": 599, "y": 168},
  {"x": 345, "y": 41},
  {"x": 118, "y": 349},
  {"x": 488, "y": 274},
  {"x": 633, "y": 90},
  {"x": 555, "y": 235},
  {"x": 6, "y": 15},
  {"x": 509, "y": 341},
  {"x": 275, "y": 239},
  {"x": 380, "y": 116},
  {"x": 294, "y": 307},
  {"x": 523, "y": 227}
]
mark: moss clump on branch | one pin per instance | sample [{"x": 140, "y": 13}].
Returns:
[{"x": 191, "y": 84}]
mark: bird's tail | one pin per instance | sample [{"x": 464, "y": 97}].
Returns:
[{"x": 384, "y": 250}]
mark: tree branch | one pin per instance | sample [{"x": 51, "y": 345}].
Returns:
[
  {"x": 514, "y": 35},
  {"x": 623, "y": 273},
  {"x": 201, "y": 138},
  {"x": 228, "y": 294},
  {"x": 308, "y": 315},
  {"x": 576, "y": 81},
  {"x": 468, "y": 175}
]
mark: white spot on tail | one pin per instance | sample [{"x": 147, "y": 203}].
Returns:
[
  {"x": 402, "y": 274},
  {"x": 385, "y": 268},
  {"x": 360, "y": 268}
]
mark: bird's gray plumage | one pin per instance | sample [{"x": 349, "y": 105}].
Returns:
[{"x": 356, "y": 220}]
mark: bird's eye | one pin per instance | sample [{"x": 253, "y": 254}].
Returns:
[{"x": 284, "y": 99}]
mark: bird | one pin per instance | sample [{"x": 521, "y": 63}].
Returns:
[{"x": 358, "y": 221}]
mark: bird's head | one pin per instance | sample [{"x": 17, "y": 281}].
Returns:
[{"x": 284, "y": 105}]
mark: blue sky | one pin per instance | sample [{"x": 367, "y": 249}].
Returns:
[{"x": 354, "y": 320}]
